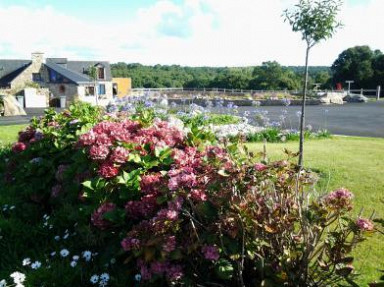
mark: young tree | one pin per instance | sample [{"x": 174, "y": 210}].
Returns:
[
  {"x": 92, "y": 73},
  {"x": 316, "y": 21}
]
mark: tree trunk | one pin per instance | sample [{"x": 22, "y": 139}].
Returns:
[{"x": 302, "y": 118}]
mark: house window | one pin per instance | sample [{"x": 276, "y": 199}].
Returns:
[
  {"x": 36, "y": 77},
  {"x": 101, "y": 73},
  {"x": 55, "y": 77},
  {"x": 52, "y": 76},
  {"x": 62, "y": 89},
  {"x": 101, "y": 89},
  {"x": 90, "y": 91}
]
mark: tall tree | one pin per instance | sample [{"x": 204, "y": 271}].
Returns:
[
  {"x": 356, "y": 64},
  {"x": 316, "y": 21}
]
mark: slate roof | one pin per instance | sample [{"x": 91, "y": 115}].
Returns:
[
  {"x": 10, "y": 69},
  {"x": 81, "y": 67},
  {"x": 71, "y": 75}
]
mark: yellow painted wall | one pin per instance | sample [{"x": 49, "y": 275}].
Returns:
[{"x": 124, "y": 85}]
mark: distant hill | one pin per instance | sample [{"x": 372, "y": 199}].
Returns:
[{"x": 253, "y": 77}]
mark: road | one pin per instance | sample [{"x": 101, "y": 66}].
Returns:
[{"x": 348, "y": 119}]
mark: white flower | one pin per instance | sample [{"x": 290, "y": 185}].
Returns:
[
  {"x": 12, "y": 207},
  {"x": 65, "y": 236},
  {"x": 138, "y": 277},
  {"x": 94, "y": 279},
  {"x": 73, "y": 263},
  {"x": 57, "y": 237},
  {"x": 64, "y": 253},
  {"x": 36, "y": 265},
  {"x": 53, "y": 253},
  {"x": 18, "y": 277},
  {"x": 75, "y": 257},
  {"x": 87, "y": 255},
  {"x": 3, "y": 283},
  {"x": 26, "y": 261},
  {"x": 104, "y": 277}
]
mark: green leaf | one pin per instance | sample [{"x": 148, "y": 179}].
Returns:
[
  {"x": 223, "y": 172},
  {"x": 116, "y": 216},
  {"x": 134, "y": 157},
  {"x": 224, "y": 269},
  {"x": 88, "y": 184}
]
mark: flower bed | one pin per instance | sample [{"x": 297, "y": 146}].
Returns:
[{"x": 130, "y": 199}]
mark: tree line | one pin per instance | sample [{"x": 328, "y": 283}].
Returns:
[{"x": 360, "y": 63}]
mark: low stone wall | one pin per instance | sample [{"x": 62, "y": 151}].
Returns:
[{"x": 243, "y": 103}]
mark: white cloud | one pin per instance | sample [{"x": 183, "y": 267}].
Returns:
[{"x": 212, "y": 32}]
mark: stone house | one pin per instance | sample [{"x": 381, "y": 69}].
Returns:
[{"x": 63, "y": 78}]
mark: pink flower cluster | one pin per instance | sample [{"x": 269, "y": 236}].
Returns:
[
  {"x": 97, "y": 218},
  {"x": 19, "y": 147},
  {"x": 158, "y": 210},
  {"x": 339, "y": 199},
  {"x": 260, "y": 167},
  {"x": 26, "y": 137},
  {"x": 210, "y": 252},
  {"x": 364, "y": 224},
  {"x": 173, "y": 272},
  {"x": 105, "y": 142}
]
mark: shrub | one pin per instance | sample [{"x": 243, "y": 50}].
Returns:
[{"x": 125, "y": 199}]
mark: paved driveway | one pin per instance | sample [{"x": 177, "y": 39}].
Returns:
[{"x": 348, "y": 119}]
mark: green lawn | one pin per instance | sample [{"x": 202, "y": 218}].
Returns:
[
  {"x": 8, "y": 134},
  {"x": 352, "y": 162},
  {"x": 357, "y": 164}
]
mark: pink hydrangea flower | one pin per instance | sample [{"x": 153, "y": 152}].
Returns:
[
  {"x": 119, "y": 155},
  {"x": 260, "y": 167},
  {"x": 364, "y": 224},
  {"x": 108, "y": 170},
  {"x": 145, "y": 272},
  {"x": 174, "y": 272},
  {"x": 168, "y": 214},
  {"x": 150, "y": 182},
  {"x": 198, "y": 195},
  {"x": 97, "y": 217},
  {"x": 169, "y": 244},
  {"x": 158, "y": 267},
  {"x": 26, "y": 135},
  {"x": 339, "y": 199},
  {"x": 142, "y": 208},
  {"x": 56, "y": 190},
  {"x": 103, "y": 139},
  {"x": 130, "y": 243},
  {"x": 87, "y": 139},
  {"x": 18, "y": 147},
  {"x": 98, "y": 152},
  {"x": 210, "y": 252}
]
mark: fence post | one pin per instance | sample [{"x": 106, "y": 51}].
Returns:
[
  {"x": 361, "y": 91},
  {"x": 378, "y": 92}
]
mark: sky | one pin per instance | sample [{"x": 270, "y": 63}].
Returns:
[{"x": 181, "y": 32}]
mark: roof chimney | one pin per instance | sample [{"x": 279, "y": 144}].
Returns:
[{"x": 37, "y": 57}]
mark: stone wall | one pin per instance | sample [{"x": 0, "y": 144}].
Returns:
[{"x": 68, "y": 90}]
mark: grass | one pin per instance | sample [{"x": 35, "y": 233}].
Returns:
[
  {"x": 357, "y": 164},
  {"x": 8, "y": 134},
  {"x": 352, "y": 162}
]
